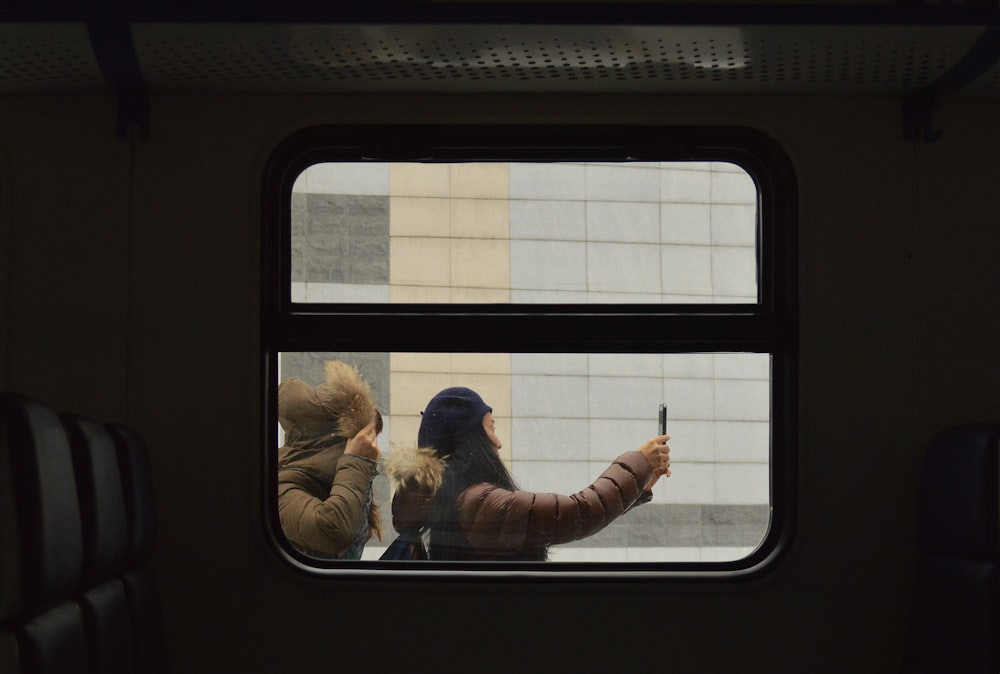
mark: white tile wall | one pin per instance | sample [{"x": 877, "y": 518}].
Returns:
[
  {"x": 688, "y": 365},
  {"x": 622, "y": 267},
  {"x": 686, "y": 186},
  {"x": 547, "y": 219},
  {"x": 741, "y": 400},
  {"x": 556, "y": 439},
  {"x": 635, "y": 365},
  {"x": 734, "y": 224},
  {"x": 547, "y": 181},
  {"x": 541, "y": 396},
  {"x": 734, "y": 271},
  {"x": 742, "y": 365},
  {"x": 532, "y": 265},
  {"x": 686, "y": 270},
  {"x": 549, "y": 363},
  {"x": 346, "y": 178},
  {"x": 741, "y": 441},
  {"x": 688, "y": 483},
  {"x": 692, "y": 441},
  {"x": 689, "y": 398},
  {"x": 343, "y": 292},
  {"x": 686, "y": 223},
  {"x": 623, "y": 183},
  {"x": 609, "y": 438},
  {"x": 741, "y": 483},
  {"x": 550, "y": 296},
  {"x": 628, "y": 222},
  {"x": 624, "y": 398},
  {"x": 733, "y": 186}
]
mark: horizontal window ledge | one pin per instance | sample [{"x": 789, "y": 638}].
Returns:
[{"x": 521, "y": 333}]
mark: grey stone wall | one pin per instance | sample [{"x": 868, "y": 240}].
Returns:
[{"x": 340, "y": 238}]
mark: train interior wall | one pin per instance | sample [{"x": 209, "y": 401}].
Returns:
[{"x": 131, "y": 274}]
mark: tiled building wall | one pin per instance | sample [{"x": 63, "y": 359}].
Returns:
[{"x": 562, "y": 233}]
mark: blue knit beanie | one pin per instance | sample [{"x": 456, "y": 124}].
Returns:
[{"x": 451, "y": 413}]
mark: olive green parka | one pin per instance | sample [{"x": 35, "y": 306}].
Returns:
[{"x": 325, "y": 503}]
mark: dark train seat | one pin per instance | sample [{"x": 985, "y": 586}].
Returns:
[
  {"x": 77, "y": 527},
  {"x": 42, "y": 542},
  {"x": 955, "y": 613},
  {"x": 105, "y": 543},
  {"x": 139, "y": 580}
]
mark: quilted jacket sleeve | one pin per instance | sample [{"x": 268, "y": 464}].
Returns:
[
  {"x": 499, "y": 521},
  {"x": 326, "y": 526}
]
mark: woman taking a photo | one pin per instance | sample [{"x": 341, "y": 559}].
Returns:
[{"x": 455, "y": 485}]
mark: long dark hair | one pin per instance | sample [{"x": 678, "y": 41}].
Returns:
[{"x": 472, "y": 460}]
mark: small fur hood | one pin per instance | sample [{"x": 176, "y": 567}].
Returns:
[
  {"x": 416, "y": 474},
  {"x": 342, "y": 406},
  {"x": 417, "y": 468}
]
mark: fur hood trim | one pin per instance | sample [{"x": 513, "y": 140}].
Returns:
[
  {"x": 419, "y": 467},
  {"x": 348, "y": 397},
  {"x": 342, "y": 406}
]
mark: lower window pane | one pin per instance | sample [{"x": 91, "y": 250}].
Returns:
[{"x": 563, "y": 418}]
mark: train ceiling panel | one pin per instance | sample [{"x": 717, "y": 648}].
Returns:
[
  {"x": 903, "y": 48},
  {"x": 47, "y": 58},
  {"x": 534, "y": 58}
]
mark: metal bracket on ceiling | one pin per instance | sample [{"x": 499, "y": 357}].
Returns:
[
  {"x": 115, "y": 52},
  {"x": 918, "y": 122}
]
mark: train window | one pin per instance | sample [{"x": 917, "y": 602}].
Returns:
[
  {"x": 575, "y": 282},
  {"x": 566, "y": 233}
]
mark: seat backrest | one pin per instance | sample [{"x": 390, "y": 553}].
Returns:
[
  {"x": 46, "y": 533},
  {"x": 955, "y": 617},
  {"x": 41, "y": 627},
  {"x": 140, "y": 583},
  {"x": 138, "y": 492},
  {"x": 102, "y": 500},
  {"x": 106, "y": 610}
]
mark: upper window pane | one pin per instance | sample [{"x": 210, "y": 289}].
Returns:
[{"x": 560, "y": 233}]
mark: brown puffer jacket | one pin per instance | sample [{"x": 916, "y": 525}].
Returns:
[
  {"x": 497, "y": 522},
  {"x": 325, "y": 496}
]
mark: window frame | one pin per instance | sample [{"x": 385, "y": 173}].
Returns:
[{"x": 768, "y": 326}]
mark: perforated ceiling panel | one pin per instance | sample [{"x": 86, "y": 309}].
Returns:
[
  {"x": 452, "y": 58},
  {"x": 48, "y": 57}
]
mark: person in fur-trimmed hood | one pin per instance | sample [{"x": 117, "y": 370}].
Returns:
[
  {"x": 455, "y": 485},
  {"x": 328, "y": 462}
]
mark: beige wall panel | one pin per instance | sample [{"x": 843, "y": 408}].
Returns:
[
  {"x": 417, "y": 261},
  {"x": 419, "y": 180},
  {"x": 412, "y": 390},
  {"x": 480, "y": 263},
  {"x": 404, "y": 431},
  {"x": 479, "y": 181},
  {"x": 481, "y": 219},
  {"x": 407, "y": 293},
  {"x": 494, "y": 389},
  {"x": 492, "y": 363},
  {"x": 480, "y": 296},
  {"x": 419, "y": 216},
  {"x": 420, "y": 362}
]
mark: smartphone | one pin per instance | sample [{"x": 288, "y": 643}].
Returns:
[{"x": 663, "y": 419}]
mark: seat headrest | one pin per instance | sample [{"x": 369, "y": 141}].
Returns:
[
  {"x": 102, "y": 503},
  {"x": 137, "y": 483}
]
